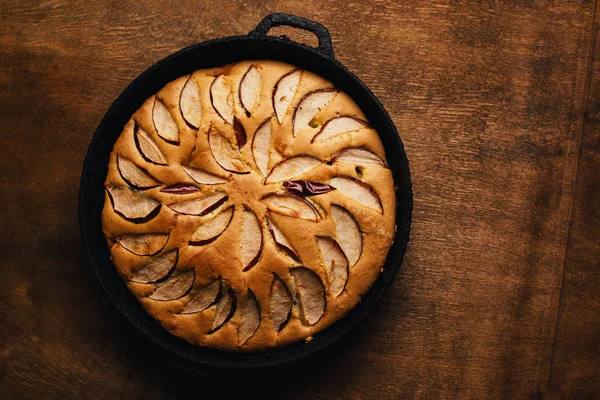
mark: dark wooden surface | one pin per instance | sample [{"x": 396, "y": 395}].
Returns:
[{"x": 498, "y": 104}]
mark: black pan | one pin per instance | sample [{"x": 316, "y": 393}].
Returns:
[{"x": 212, "y": 53}]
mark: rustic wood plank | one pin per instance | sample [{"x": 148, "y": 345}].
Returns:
[{"x": 488, "y": 98}]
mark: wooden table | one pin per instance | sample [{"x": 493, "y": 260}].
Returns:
[{"x": 498, "y": 106}]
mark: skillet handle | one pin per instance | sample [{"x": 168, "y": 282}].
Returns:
[{"x": 279, "y": 19}]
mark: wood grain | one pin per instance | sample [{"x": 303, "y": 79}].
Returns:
[{"x": 498, "y": 106}]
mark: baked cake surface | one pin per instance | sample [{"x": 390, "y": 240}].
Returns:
[{"x": 248, "y": 206}]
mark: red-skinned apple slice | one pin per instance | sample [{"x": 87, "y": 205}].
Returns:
[
  {"x": 176, "y": 286},
  {"x": 292, "y": 206},
  {"x": 227, "y": 156},
  {"x": 131, "y": 205},
  {"x": 209, "y": 231},
  {"x": 251, "y": 239},
  {"x": 134, "y": 175},
  {"x": 225, "y": 308},
  {"x": 165, "y": 125},
  {"x": 240, "y": 132},
  {"x": 250, "y": 88},
  {"x": 339, "y": 126},
  {"x": 348, "y": 233},
  {"x": 180, "y": 188},
  {"x": 284, "y": 92},
  {"x": 204, "y": 177},
  {"x": 147, "y": 148},
  {"x": 292, "y": 167},
  {"x": 250, "y": 319},
  {"x": 311, "y": 104},
  {"x": 360, "y": 157},
  {"x": 261, "y": 146},
  {"x": 335, "y": 262},
  {"x": 280, "y": 240},
  {"x": 280, "y": 304},
  {"x": 156, "y": 269},
  {"x": 200, "y": 206},
  {"x": 221, "y": 98},
  {"x": 146, "y": 244},
  {"x": 190, "y": 104},
  {"x": 310, "y": 293},
  {"x": 205, "y": 298},
  {"x": 359, "y": 191}
]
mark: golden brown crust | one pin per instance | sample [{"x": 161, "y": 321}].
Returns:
[{"x": 221, "y": 258}]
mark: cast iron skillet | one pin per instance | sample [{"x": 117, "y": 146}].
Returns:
[{"x": 212, "y": 53}]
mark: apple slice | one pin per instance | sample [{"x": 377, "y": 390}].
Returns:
[
  {"x": 240, "y": 132},
  {"x": 209, "y": 231},
  {"x": 292, "y": 167},
  {"x": 284, "y": 92},
  {"x": 221, "y": 98},
  {"x": 156, "y": 269},
  {"x": 261, "y": 146},
  {"x": 307, "y": 188},
  {"x": 339, "y": 126},
  {"x": 251, "y": 239},
  {"x": 358, "y": 191},
  {"x": 280, "y": 304},
  {"x": 291, "y": 206},
  {"x": 250, "y": 88},
  {"x": 225, "y": 308},
  {"x": 148, "y": 149},
  {"x": 165, "y": 125},
  {"x": 190, "y": 104},
  {"x": 204, "y": 177},
  {"x": 135, "y": 176},
  {"x": 176, "y": 286},
  {"x": 131, "y": 205},
  {"x": 336, "y": 264},
  {"x": 310, "y": 105},
  {"x": 250, "y": 319},
  {"x": 348, "y": 233},
  {"x": 205, "y": 298},
  {"x": 280, "y": 240},
  {"x": 310, "y": 293},
  {"x": 180, "y": 188},
  {"x": 200, "y": 206},
  {"x": 360, "y": 157},
  {"x": 227, "y": 156},
  {"x": 146, "y": 244}
]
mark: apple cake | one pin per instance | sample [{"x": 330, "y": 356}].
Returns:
[{"x": 248, "y": 206}]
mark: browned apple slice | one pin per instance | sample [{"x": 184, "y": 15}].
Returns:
[
  {"x": 146, "y": 244},
  {"x": 240, "y": 132},
  {"x": 311, "y": 104},
  {"x": 148, "y": 149},
  {"x": 339, "y": 126},
  {"x": 292, "y": 167},
  {"x": 205, "y": 298},
  {"x": 291, "y": 206},
  {"x": 131, "y": 205},
  {"x": 359, "y": 191},
  {"x": 250, "y": 319},
  {"x": 135, "y": 176},
  {"x": 176, "y": 286},
  {"x": 251, "y": 239},
  {"x": 227, "y": 156},
  {"x": 280, "y": 240},
  {"x": 348, "y": 233},
  {"x": 280, "y": 304},
  {"x": 359, "y": 157},
  {"x": 225, "y": 308},
  {"x": 200, "y": 206},
  {"x": 209, "y": 231},
  {"x": 310, "y": 293},
  {"x": 165, "y": 125},
  {"x": 156, "y": 269},
  {"x": 203, "y": 177},
  {"x": 221, "y": 98},
  {"x": 190, "y": 104},
  {"x": 261, "y": 146},
  {"x": 336, "y": 264},
  {"x": 284, "y": 92},
  {"x": 250, "y": 88}
]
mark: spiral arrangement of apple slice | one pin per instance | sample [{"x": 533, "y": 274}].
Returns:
[{"x": 296, "y": 186}]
